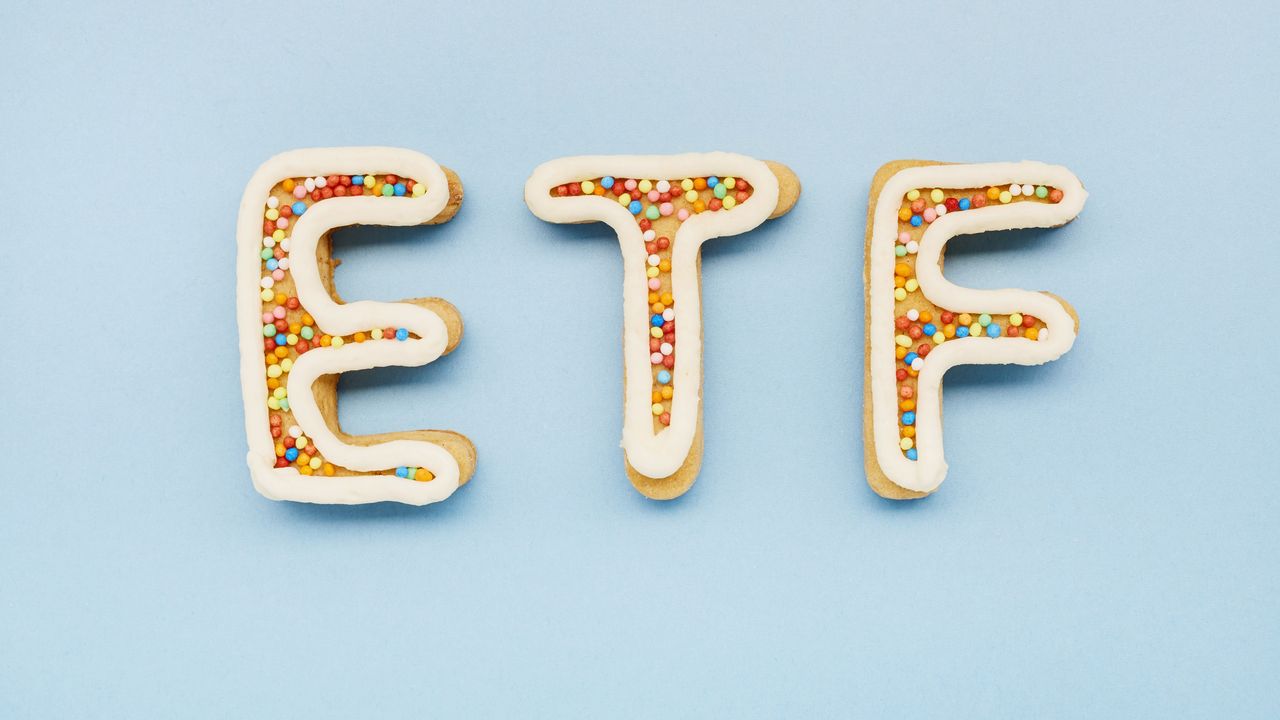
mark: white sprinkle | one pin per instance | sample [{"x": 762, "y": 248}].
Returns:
[
  {"x": 669, "y": 314},
  {"x": 1015, "y": 190},
  {"x": 940, "y": 209},
  {"x": 913, "y": 247},
  {"x": 284, "y": 244},
  {"x": 1043, "y": 334},
  {"x": 320, "y": 181},
  {"x": 654, "y": 260},
  {"x": 283, "y": 264},
  {"x": 1028, "y": 190},
  {"x": 917, "y": 363},
  {"x": 295, "y": 432},
  {"x": 273, "y": 202},
  {"x": 665, "y": 348},
  {"x": 267, "y": 282},
  {"x": 913, "y": 315},
  {"x": 662, "y": 186},
  {"x": 309, "y": 184},
  {"x": 649, "y": 235}
]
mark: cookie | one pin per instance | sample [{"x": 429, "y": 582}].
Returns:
[
  {"x": 297, "y": 335},
  {"x": 918, "y": 324},
  {"x": 662, "y": 207}
]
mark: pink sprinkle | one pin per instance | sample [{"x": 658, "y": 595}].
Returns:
[
  {"x": 279, "y": 312},
  {"x": 930, "y": 215},
  {"x": 277, "y": 275},
  {"x": 282, "y": 223},
  {"x": 666, "y": 208},
  {"x": 656, "y": 358},
  {"x": 904, "y": 237},
  {"x": 654, "y": 284},
  {"x": 682, "y": 215},
  {"x": 654, "y": 195},
  {"x": 299, "y": 192},
  {"x": 268, "y": 318},
  {"x": 630, "y": 184}
]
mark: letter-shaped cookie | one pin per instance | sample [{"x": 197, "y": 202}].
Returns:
[
  {"x": 918, "y": 324},
  {"x": 297, "y": 335},
  {"x": 662, "y": 207}
]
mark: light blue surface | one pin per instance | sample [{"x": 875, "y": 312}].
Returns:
[{"x": 1106, "y": 544}]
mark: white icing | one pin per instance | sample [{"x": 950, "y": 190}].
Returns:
[
  {"x": 926, "y": 473},
  {"x": 659, "y": 454},
  {"x": 338, "y": 319}
]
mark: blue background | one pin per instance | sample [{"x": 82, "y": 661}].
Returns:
[{"x": 1105, "y": 545}]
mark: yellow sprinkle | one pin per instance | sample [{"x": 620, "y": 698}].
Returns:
[
  {"x": 729, "y": 183},
  {"x": 912, "y": 285},
  {"x": 655, "y": 332},
  {"x": 1015, "y": 319},
  {"x": 267, "y": 295},
  {"x": 729, "y": 202},
  {"x": 272, "y": 214},
  {"x": 337, "y": 342},
  {"x": 657, "y": 409},
  {"x": 906, "y": 444},
  {"x": 651, "y": 272},
  {"x": 644, "y": 186},
  {"x": 686, "y": 184},
  {"x": 939, "y": 337},
  {"x": 903, "y": 340},
  {"x": 936, "y": 195},
  {"x": 588, "y": 187},
  {"x": 419, "y": 190},
  {"x": 899, "y": 294},
  {"x": 1005, "y": 196},
  {"x": 691, "y": 195}
]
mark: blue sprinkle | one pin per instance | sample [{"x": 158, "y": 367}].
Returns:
[
  {"x": 993, "y": 330},
  {"x": 657, "y": 320},
  {"x": 930, "y": 329},
  {"x": 400, "y": 188},
  {"x": 962, "y": 331},
  {"x": 908, "y": 418},
  {"x": 402, "y": 334},
  {"x": 916, "y": 220},
  {"x": 911, "y": 454},
  {"x": 635, "y": 207},
  {"x": 282, "y": 339},
  {"x": 299, "y": 208},
  {"x": 964, "y": 203},
  {"x": 357, "y": 179},
  {"x": 664, "y": 377},
  {"x": 272, "y": 264},
  {"x": 910, "y": 358},
  {"x": 402, "y": 471},
  {"x": 713, "y": 181},
  {"x": 606, "y": 182},
  {"x": 291, "y": 454}
]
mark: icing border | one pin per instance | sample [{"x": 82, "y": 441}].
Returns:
[
  {"x": 339, "y": 319},
  {"x": 928, "y": 472},
  {"x": 662, "y": 454}
]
